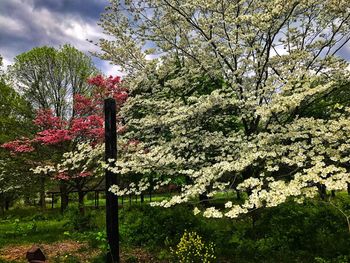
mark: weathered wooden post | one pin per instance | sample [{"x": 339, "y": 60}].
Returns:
[{"x": 111, "y": 179}]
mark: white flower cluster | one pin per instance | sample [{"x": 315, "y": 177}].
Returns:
[
  {"x": 43, "y": 169},
  {"x": 144, "y": 185},
  {"x": 228, "y": 107}
]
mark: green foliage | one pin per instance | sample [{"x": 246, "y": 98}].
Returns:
[
  {"x": 47, "y": 76},
  {"x": 309, "y": 230},
  {"x": 98, "y": 240},
  {"x": 99, "y": 259},
  {"x": 78, "y": 221},
  {"x": 340, "y": 259},
  {"x": 289, "y": 233},
  {"x": 312, "y": 232},
  {"x": 66, "y": 258},
  {"x": 131, "y": 259},
  {"x": 24, "y": 229},
  {"x": 16, "y": 114},
  {"x": 191, "y": 248},
  {"x": 154, "y": 226}
]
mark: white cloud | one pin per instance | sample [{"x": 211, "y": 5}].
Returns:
[
  {"x": 111, "y": 70},
  {"x": 11, "y": 24},
  {"x": 28, "y": 27}
]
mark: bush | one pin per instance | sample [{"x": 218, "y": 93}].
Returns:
[
  {"x": 80, "y": 222},
  {"x": 24, "y": 228},
  {"x": 154, "y": 226},
  {"x": 191, "y": 248},
  {"x": 292, "y": 233}
]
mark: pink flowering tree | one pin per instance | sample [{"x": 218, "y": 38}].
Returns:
[{"x": 62, "y": 137}]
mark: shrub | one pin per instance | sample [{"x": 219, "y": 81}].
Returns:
[
  {"x": 80, "y": 222},
  {"x": 292, "y": 233},
  {"x": 191, "y": 248},
  {"x": 154, "y": 226}
]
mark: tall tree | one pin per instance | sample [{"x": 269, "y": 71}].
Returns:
[
  {"x": 49, "y": 78},
  {"x": 268, "y": 61},
  {"x": 15, "y": 121},
  {"x": 83, "y": 132}
]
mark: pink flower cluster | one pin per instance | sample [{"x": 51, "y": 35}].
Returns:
[
  {"x": 19, "y": 146},
  {"x": 45, "y": 119},
  {"x": 87, "y": 122},
  {"x": 109, "y": 87},
  {"x": 51, "y": 136}
]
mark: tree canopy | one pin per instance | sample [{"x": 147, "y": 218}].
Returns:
[
  {"x": 221, "y": 95},
  {"x": 49, "y": 78}
]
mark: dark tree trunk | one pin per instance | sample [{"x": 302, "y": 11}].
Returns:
[
  {"x": 7, "y": 204},
  {"x": 97, "y": 194},
  {"x": 2, "y": 203},
  {"x": 204, "y": 199},
  {"x": 27, "y": 201},
  {"x": 42, "y": 202},
  {"x": 81, "y": 195},
  {"x": 142, "y": 198},
  {"x": 255, "y": 215},
  {"x": 348, "y": 189},
  {"x": 239, "y": 196},
  {"x": 64, "y": 196},
  {"x": 112, "y": 222},
  {"x": 322, "y": 190}
]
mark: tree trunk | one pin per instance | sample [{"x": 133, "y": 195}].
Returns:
[
  {"x": 322, "y": 191},
  {"x": 7, "y": 204},
  {"x": 81, "y": 195},
  {"x": 239, "y": 196},
  {"x": 204, "y": 199},
  {"x": 142, "y": 198},
  {"x": 64, "y": 196},
  {"x": 255, "y": 216},
  {"x": 2, "y": 203},
  {"x": 27, "y": 201},
  {"x": 42, "y": 202},
  {"x": 348, "y": 189}
]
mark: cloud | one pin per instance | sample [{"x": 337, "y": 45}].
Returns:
[
  {"x": 107, "y": 68},
  {"x": 87, "y": 9},
  {"x": 25, "y": 24}
]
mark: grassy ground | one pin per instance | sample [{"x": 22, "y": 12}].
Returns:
[
  {"x": 316, "y": 231},
  {"x": 21, "y": 227}
]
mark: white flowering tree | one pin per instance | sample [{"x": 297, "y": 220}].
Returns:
[{"x": 223, "y": 94}]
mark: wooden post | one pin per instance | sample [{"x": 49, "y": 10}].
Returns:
[{"x": 111, "y": 179}]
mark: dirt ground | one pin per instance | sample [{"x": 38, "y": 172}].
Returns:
[
  {"x": 75, "y": 248},
  {"x": 55, "y": 252}
]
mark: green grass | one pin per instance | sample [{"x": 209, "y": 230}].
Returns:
[
  {"x": 46, "y": 232},
  {"x": 298, "y": 232},
  {"x": 28, "y": 225}
]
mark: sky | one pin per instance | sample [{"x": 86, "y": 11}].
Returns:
[{"x": 25, "y": 24}]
